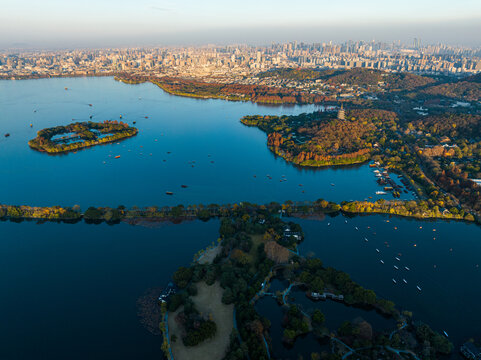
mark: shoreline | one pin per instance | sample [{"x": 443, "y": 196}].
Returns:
[{"x": 177, "y": 214}]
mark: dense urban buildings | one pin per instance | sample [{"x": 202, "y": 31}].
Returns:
[{"x": 238, "y": 62}]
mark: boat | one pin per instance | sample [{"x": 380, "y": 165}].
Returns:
[
  {"x": 31, "y": 125},
  {"x": 407, "y": 268},
  {"x": 396, "y": 267},
  {"x": 183, "y": 186},
  {"x": 418, "y": 288},
  {"x": 377, "y": 250},
  {"x": 398, "y": 259},
  {"x": 120, "y": 116},
  {"x": 382, "y": 261},
  {"x": 135, "y": 122},
  {"x": 146, "y": 117},
  {"x": 366, "y": 240},
  {"x": 66, "y": 88},
  {"x": 356, "y": 228},
  {"x": 345, "y": 221},
  {"x": 169, "y": 193},
  {"x": 394, "y": 281},
  {"x": 381, "y": 193},
  {"x": 445, "y": 333},
  {"x": 90, "y": 116},
  {"x": 328, "y": 224},
  {"x": 117, "y": 157},
  {"x": 7, "y": 135},
  {"x": 404, "y": 280},
  {"x": 332, "y": 184},
  {"x": 90, "y": 104}
]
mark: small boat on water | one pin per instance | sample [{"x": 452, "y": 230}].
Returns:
[
  {"x": 404, "y": 280},
  {"x": 66, "y": 88},
  {"x": 328, "y": 224},
  {"x": 90, "y": 116},
  {"x": 366, "y": 240},
  {"x": 381, "y": 193},
  {"x": 396, "y": 267},
  {"x": 356, "y": 228},
  {"x": 345, "y": 221},
  {"x": 7, "y": 135},
  {"x": 382, "y": 261},
  {"x": 445, "y": 333},
  {"x": 90, "y": 104},
  {"x": 394, "y": 281},
  {"x": 135, "y": 122},
  {"x": 169, "y": 193},
  {"x": 377, "y": 250},
  {"x": 183, "y": 186},
  {"x": 332, "y": 184},
  {"x": 117, "y": 157},
  {"x": 417, "y": 287},
  {"x": 407, "y": 268},
  {"x": 120, "y": 116},
  {"x": 31, "y": 125},
  {"x": 398, "y": 259},
  {"x": 146, "y": 117}
]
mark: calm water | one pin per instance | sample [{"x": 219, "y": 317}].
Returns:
[
  {"x": 445, "y": 263},
  {"x": 188, "y": 128},
  {"x": 70, "y": 291}
]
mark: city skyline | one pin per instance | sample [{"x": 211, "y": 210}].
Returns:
[{"x": 55, "y": 24}]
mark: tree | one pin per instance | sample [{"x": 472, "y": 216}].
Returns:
[
  {"x": 182, "y": 276},
  {"x": 318, "y": 317}
]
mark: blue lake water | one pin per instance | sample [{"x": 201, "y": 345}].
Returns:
[
  {"x": 226, "y": 153},
  {"x": 445, "y": 264},
  {"x": 72, "y": 289},
  {"x": 69, "y": 291}
]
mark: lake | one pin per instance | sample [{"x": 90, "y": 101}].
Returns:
[
  {"x": 443, "y": 258},
  {"x": 70, "y": 291},
  {"x": 210, "y": 150}
]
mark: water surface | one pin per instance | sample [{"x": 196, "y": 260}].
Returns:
[
  {"x": 70, "y": 291},
  {"x": 210, "y": 150}
]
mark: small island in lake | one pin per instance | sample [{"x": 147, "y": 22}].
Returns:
[{"x": 79, "y": 135}]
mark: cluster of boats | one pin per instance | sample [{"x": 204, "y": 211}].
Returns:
[
  {"x": 383, "y": 178},
  {"x": 397, "y": 258}
]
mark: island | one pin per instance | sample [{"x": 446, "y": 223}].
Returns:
[{"x": 75, "y": 136}]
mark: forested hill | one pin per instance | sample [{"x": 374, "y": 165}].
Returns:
[
  {"x": 356, "y": 76},
  {"x": 468, "y": 88}
]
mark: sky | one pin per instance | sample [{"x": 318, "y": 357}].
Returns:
[{"x": 116, "y": 23}]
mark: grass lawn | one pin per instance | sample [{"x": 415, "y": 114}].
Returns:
[{"x": 207, "y": 300}]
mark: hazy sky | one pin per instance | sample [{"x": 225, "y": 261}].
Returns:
[{"x": 97, "y": 23}]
